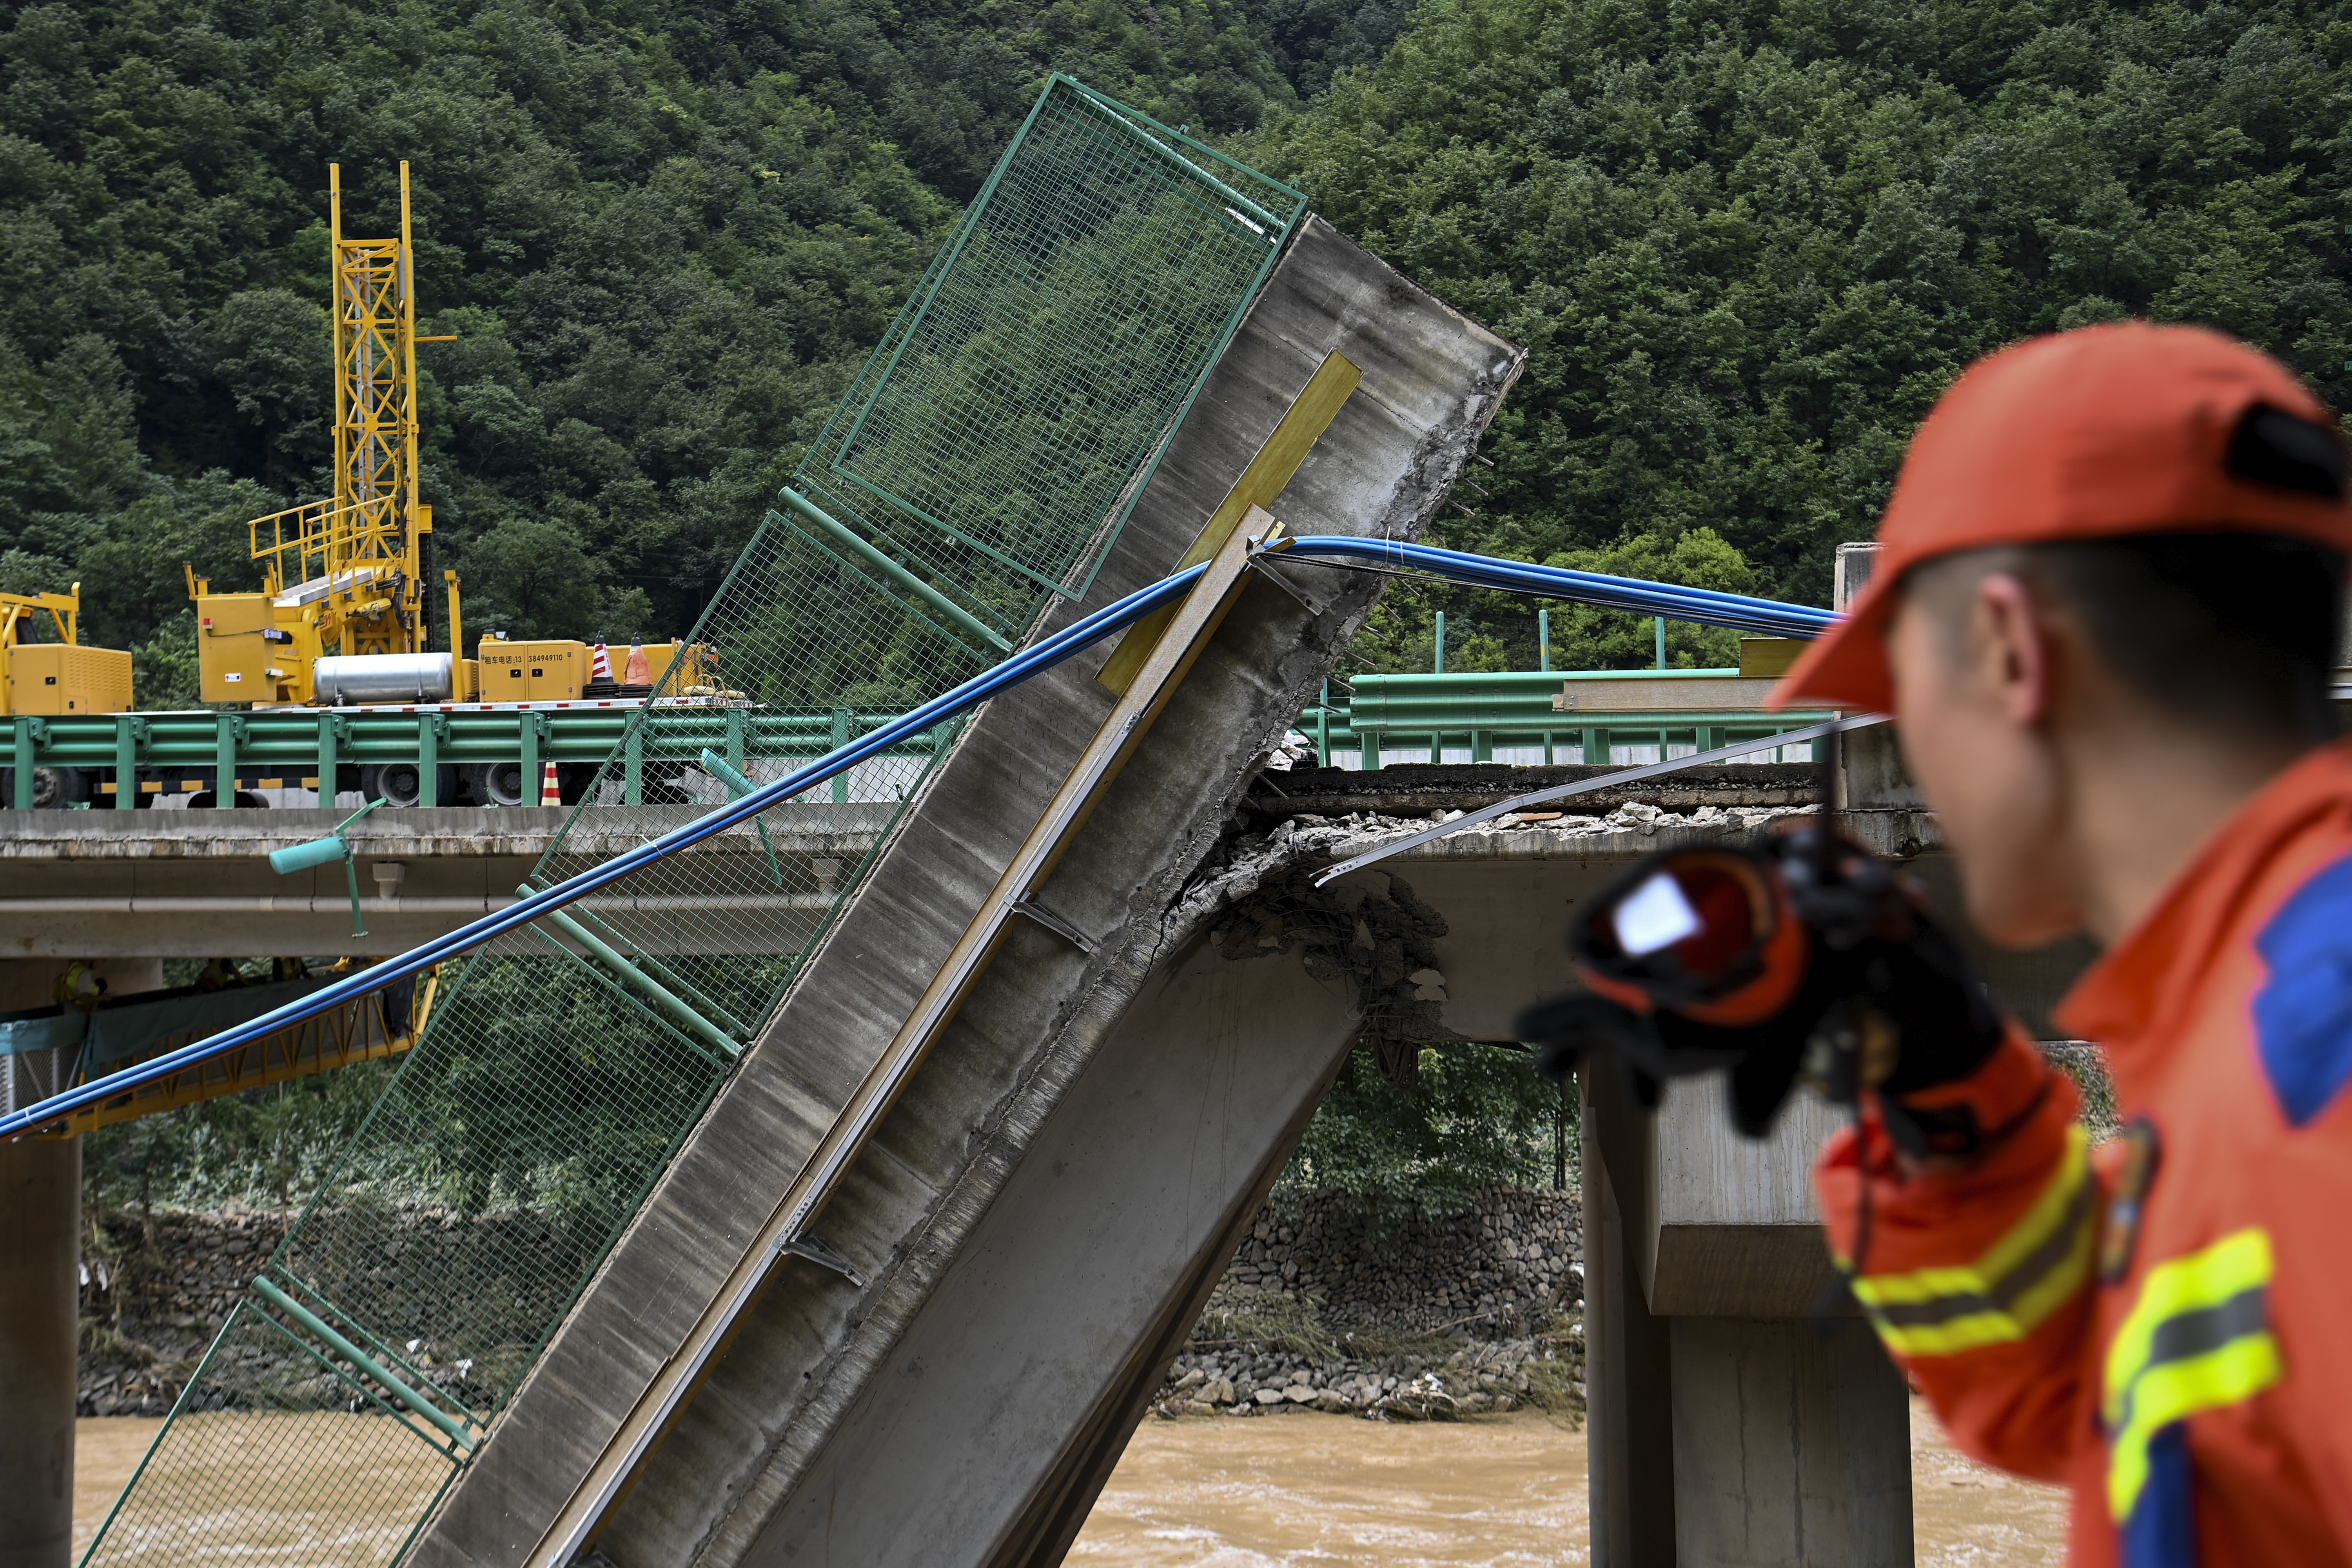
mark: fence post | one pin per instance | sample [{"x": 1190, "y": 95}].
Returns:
[
  {"x": 840, "y": 738},
  {"x": 527, "y": 726},
  {"x": 429, "y": 760},
  {"x": 328, "y": 762},
  {"x": 126, "y": 761},
  {"x": 25, "y": 729},
  {"x": 224, "y": 759}
]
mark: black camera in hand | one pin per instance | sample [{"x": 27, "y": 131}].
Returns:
[{"x": 1802, "y": 956}]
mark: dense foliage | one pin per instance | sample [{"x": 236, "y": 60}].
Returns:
[
  {"x": 1430, "y": 1129},
  {"x": 663, "y": 233},
  {"x": 1747, "y": 242}
]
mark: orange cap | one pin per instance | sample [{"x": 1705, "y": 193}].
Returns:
[{"x": 2114, "y": 429}]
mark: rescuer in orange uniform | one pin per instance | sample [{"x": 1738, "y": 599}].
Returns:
[{"x": 2104, "y": 615}]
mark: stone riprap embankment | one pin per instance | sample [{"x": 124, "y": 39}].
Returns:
[
  {"x": 149, "y": 1309},
  {"x": 154, "y": 1295},
  {"x": 1512, "y": 1258},
  {"x": 1419, "y": 1382},
  {"x": 1412, "y": 1316},
  {"x": 1353, "y": 1310}
]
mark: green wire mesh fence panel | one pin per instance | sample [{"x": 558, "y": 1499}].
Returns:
[
  {"x": 981, "y": 462},
  {"x": 994, "y": 436},
  {"x": 242, "y": 1478},
  {"x": 553, "y": 1086}
]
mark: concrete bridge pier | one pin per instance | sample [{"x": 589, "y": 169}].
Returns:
[
  {"x": 1742, "y": 1416},
  {"x": 40, "y": 1287},
  {"x": 40, "y": 1256}
]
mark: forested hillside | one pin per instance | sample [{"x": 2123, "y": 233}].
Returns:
[
  {"x": 664, "y": 232},
  {"x": 1747, "y": 243}
]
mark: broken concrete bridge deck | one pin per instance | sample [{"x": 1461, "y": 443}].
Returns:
[{"x": 105, "y": 884}]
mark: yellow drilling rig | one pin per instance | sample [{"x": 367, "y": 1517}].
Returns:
[{"x": 344, "y": 613}]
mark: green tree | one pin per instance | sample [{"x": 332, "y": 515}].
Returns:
[
  {"x": 663, "y": 237},
  {"x": 530, "y": 579},
  {"x": 1466, "y": 1115},
  {"x": 1747, "y": 244}
]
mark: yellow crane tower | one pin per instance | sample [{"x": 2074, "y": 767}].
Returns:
[{"x": 344, "y": 611}]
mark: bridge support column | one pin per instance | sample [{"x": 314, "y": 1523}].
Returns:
[
  {"x": 40, "y": 1261},
  {"x": 1629, "y": 1384},
  {"x": 1730, "y": 1428},
  {"x": 1792, "y": 1444}
]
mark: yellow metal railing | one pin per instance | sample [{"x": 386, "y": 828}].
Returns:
[{"x": 320, "y": 539}]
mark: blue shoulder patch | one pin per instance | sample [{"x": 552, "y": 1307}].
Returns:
[{"x": 2303, "y": 1015}]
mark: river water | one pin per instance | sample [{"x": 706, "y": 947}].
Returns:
[
  {"x": 1216, "y": 1492},
  {"x": 1213, "y": 1491}
]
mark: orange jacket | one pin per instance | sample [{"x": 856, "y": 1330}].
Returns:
[{"x": 2164, "y": 1323}]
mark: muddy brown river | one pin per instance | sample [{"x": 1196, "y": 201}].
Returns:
[{"x": 1215, "y": 1492}]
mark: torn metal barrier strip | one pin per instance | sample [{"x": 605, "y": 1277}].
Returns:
[{"x": 1586, "y": 786}]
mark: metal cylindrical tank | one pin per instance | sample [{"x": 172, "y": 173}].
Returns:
[{"x": 382, "y": 678}]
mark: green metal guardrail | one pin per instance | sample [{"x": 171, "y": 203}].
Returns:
[
  {"x": 295, "y": 748},
  {"x": 1508, "y": 709}
]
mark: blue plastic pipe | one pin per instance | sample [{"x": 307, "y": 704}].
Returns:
[{"x": 1703, "y": 605}]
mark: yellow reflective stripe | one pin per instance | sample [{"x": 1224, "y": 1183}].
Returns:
[
  {"x": 2176, "y": 1390},
  {"x": 2197, "y": 1337},
  {"x": 2236, "y": 1263},
  {"x": 2041, "y": 1262}
]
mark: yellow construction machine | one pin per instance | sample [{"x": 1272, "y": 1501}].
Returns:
[
  {"x": 344, "y": 612},
  {"x": 344, "y": 615},
  {"x": 59, "y": 677}
]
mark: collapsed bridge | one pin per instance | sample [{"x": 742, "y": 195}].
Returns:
[{"x": 795, "y": 1186}]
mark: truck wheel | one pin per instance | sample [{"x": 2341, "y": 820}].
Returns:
[
  {"x": 401, "y": 783},
  {"x": 395, "y": 783},
  {"x": 500, "y": 784}
]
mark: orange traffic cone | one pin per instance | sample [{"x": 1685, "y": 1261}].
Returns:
[
  {"x": 639, "y": 670},
  {"x": 549, "y": 794}
]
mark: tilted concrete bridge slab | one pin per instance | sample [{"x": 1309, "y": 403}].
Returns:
[
  {"x": 1069, "y": 1262},
  {"x": 804, "y": 1354}
]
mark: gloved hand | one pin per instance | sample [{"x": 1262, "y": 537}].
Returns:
[{"x": 1804, "y": 955}]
